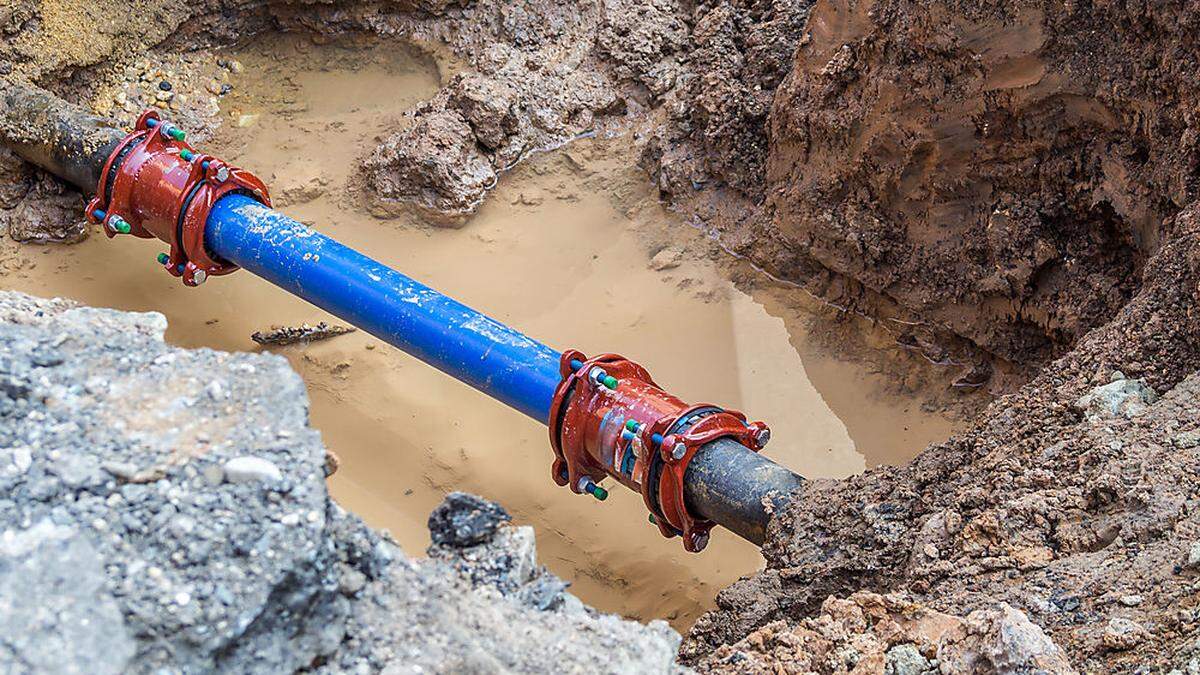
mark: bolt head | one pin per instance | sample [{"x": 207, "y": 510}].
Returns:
[
  {"x": 762, "y": 437},
  {"x": 222, "y": 174},
  {"x": 699, "y": 542},
  {"x": 199, "y": 276},
  {"x": 679, "y": 451}
]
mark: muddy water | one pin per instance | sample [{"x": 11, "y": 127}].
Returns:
[{"x": 563, "y": 250}]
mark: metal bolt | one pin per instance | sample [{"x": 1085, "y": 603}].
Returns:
[
  {"x": 187, "y": 155},
  {"x": 699, "y": 542},
  {"x": 679, "y": 451},
  {"x": 199, "y": 276},
  {"x": 762, "y": 437},
  {"x": 222, "y": 174},
  {"x": 118, "y": 224},
  {"x": 610, "y": 382}
]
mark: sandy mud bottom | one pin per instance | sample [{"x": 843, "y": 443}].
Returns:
[{"x": 572, "y": 248}]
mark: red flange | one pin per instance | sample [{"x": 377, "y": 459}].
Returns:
[
  {"x": 154, "y": 185},
  {"x": 609, "y": 418}
]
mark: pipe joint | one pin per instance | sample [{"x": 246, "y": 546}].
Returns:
[
  {"x": 609, "y": 419},
  {"x": 154, "y": 185}
]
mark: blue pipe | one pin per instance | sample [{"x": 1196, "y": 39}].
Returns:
[{"x": 495, "y": 359}]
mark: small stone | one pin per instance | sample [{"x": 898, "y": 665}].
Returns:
[
  {"x": 22, "y": 459},
  {"x": 930, "y": 551},
  {"x": 290, "y": 519},
  {"x": 1131, "y": 600},
  {"x": 164, "y": 85},
  {"x": 236, "y": 67},
  {"x": 1193, "y": 559},
  {"x": 666, "y": 259},
  {"x": 1122, "y": 634},
  {"x": 213, "y": 474},
  {"x": 182, "y": 598},
  {"x": 251, "y": 470},
  {"x": 247, "y": 120},
  {"x": 1187, "y": 440},
  {"x": 906, "y": 659},
  {"x": 463, "y": 520},
  {"x": 214, "y": 87}
]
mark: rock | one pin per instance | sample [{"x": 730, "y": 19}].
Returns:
[
  {"x": 1193, "y": 556},
  {"x": 1000, "y": 639},
  {"x": 1119, "y": 398},
  {"x": 57, "y": 612},
  {"x": 1131, "y": 600},
  {"x": 1121, "y": 634},
  {"x": 906, "y": 660},
  {"x": 465, "y": 520},
  {"x": 1186, "y": 440},
  {"x": 251, "y": 470},
  {"x": 666, "y": 259}
]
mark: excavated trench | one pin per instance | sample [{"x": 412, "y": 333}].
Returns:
[
  {"x": 571, "y": 246},
  {"x": 964, "y": 200}
]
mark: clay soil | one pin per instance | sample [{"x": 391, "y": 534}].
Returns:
[{"x": 1005, "y": 189}]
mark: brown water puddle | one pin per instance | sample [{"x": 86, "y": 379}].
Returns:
[{"x": 562, "y": 251}]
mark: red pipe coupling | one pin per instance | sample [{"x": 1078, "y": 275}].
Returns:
[
  {"x": 609, "y": 418},
  {"x": 154, "y": 185}
]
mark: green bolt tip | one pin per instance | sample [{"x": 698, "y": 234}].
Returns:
[
  {"x": 652, "y": 520},
  {"x": 163, "y": 258},
  {"x": 610, "y": 382},
  {"x": 187, "y": 155},
  {"x": 631, "y": 425},
  {"x": 600, "y": 493},
  {"x": 120, "y": 225},
  {"x": 178, "y": 134}
]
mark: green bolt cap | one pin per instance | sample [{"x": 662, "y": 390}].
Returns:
[
  {"x": 177, "y": 134},
  {"x": 631, "y": 425},
  {"x": 600, "y": 493},
  {"x": 163, "y": 258},
  {"x": 119, "y": 225},
  {"x": 187, "y": 155},
  {"x": 652, "y": 520},
  {"x": 610, "y": 382}
]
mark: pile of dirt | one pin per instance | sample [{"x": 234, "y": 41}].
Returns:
[{"x": 1074, "y": 499}]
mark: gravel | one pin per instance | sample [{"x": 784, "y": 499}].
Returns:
[{"x": 148, "y": 525}]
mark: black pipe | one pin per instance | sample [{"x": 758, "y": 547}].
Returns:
[
  {"x": 55, "y": 135},
  {"x": 725, "y": 482}
]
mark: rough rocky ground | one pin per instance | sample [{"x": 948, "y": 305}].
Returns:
[
  {"x": 1074, "y": 499},
  {"x": 167, "y": 509}
]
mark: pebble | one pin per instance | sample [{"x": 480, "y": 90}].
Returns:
[
  {"x": 1193, "y": 559},
  {"x": 1131, "y": 600},
  {"x": 22, "y": 458},
  {"x": 290, "y": 519},
  {"x": 1122, "y": 634},
  {"x": 251, "y": 469},
  {"x": 164, "y": 85}
]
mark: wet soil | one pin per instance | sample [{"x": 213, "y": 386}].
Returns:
[{"x": 571, "y": 247}]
